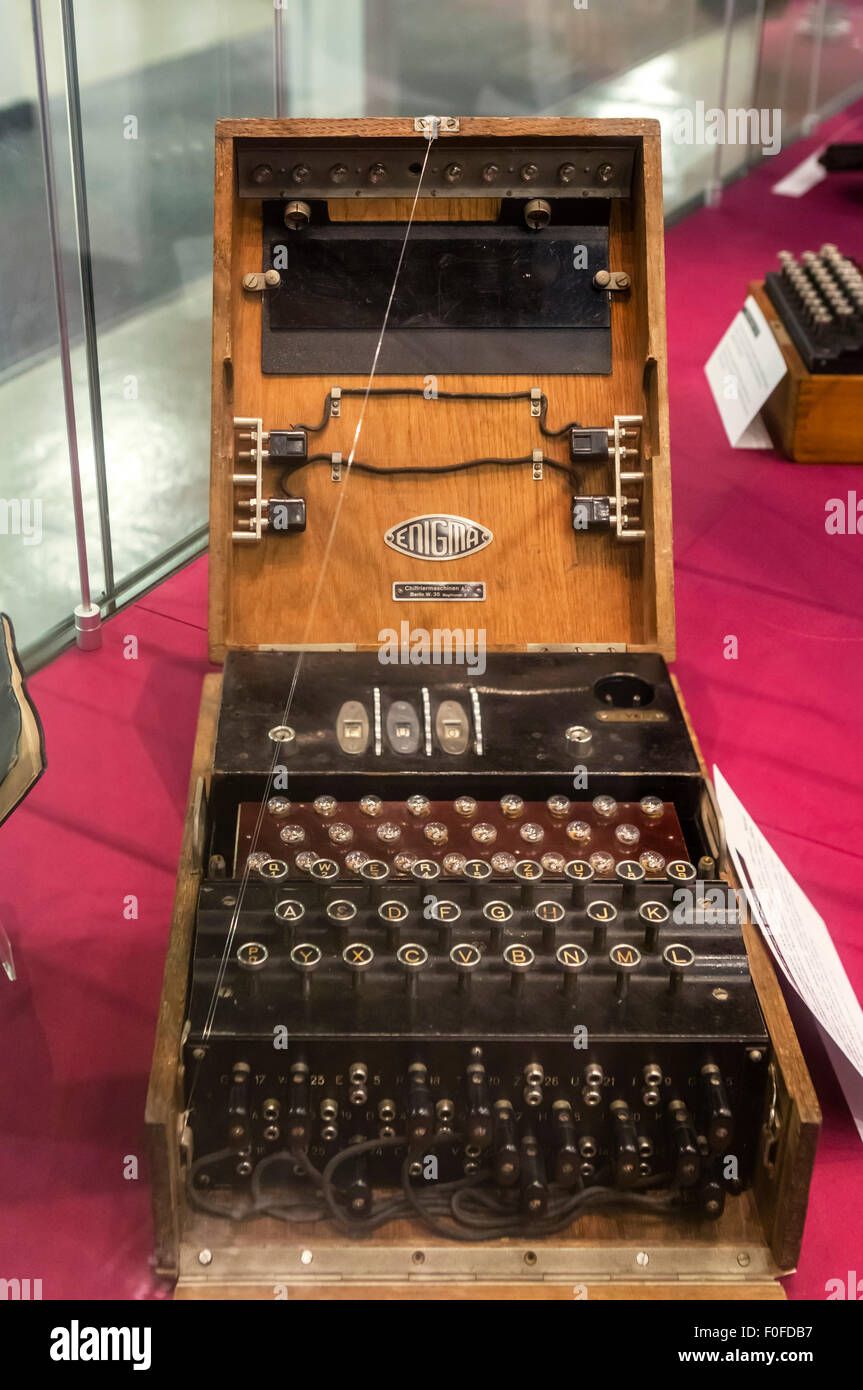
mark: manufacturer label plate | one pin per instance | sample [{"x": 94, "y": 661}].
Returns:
[
  {"x": 632, "y": 716},
  {"x": 466, "y": 591}
]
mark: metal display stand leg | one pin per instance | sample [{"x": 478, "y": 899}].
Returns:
[{"x": 88, "y": 616}]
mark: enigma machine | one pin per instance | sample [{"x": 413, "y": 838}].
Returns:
[
  {"x": 814, "y": 307},
  {"x": 458, "y": 991}
]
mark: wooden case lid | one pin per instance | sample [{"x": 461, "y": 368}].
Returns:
[{"x": 545, "y": 584}]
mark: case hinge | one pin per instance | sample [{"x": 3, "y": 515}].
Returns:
[{"x": 433, "y": 126}]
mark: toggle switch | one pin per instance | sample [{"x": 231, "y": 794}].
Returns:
[
  {"x": 446, "y": 913},
  {"x": 497, "y": 913},
  {"x": 403, "y": 728},
  {"x": 625, "y": 959},
  {"x": 393, "y": 914},
  {"x": 466, "y": 957},
  {"x": 719, "y": 1124},
  {"x": 600, "y": 914},
  {"x": 629, "y": 872},
  {"x": 507, "y": 1161},
  {"x": 572, "y": 959},
  {"x": 519, "y": 958},
  {"x": 413, "y": 959},
  {"x": 478, "y": 873},
  {"x": 580, "y": 874},
  {"x": 678, "y": 958},
  {"x": 305, "y": 958},
  {"x": 357, "y": 956},
  {"x": 452, "y": 727},
  {"x": 654, "y": 916},
  {"x": 528, "y": 872},
  {"x": 550, "y": 914},
  {"x": 352, "y": 728}
]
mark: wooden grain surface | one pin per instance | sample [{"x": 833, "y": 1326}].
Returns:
[
  {"x": 544, "y": 583},
  {"x": 812, "y": 417},
  {"x": 782, "y": 1194},
  {"x": 164, "y": 1098},
  {"x": 545, "y": 1292}
]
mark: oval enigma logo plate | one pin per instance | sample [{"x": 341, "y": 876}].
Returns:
[{"x": 438, "y": 537}]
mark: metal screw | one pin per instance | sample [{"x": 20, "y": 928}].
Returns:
[
  {"x": 721, "y": 994},
  {"x": 605, "y": 173},
  {"x": 642, "y": 1259},
  {"x": 754, "y": 1055},
  {"x": 306, "y": 1257},
  {"x": 205, "y": 1257},
  {"x": 602, "y": 279},
  {"x": 743, "y": 1259},
  {"x": 418, "y": 1258}
]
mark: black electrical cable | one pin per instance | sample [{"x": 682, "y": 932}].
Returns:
[
  {"x": 464, "y": 1210},
  {"x": 331, "y": 1195},
  {"x": 461, "y": 467},
  {"x": 197, "y": 1198},
  {"x": 442, "y": 396},
  {"x": 301, "y": 1212},
  {"x": 553, "y": 434}
]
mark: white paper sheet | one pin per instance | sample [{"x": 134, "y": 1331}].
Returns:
[
  {"x": 742, "y": 371},
  {"x": 801, "y": 179},
  {"x": 800, "y": 942}
]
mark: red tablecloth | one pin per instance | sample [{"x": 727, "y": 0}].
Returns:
[{"x": 753, "y": 560}]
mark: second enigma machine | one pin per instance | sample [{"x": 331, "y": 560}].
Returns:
[{"x": 458, "y": 989}]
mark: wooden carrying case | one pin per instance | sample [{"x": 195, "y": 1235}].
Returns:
[
  {"x": 546, "y": 588},
  {"x": 812, "y": 417}
]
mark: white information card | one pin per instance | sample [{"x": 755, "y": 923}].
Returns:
[
  {"x": 800, "y": 942},
  {"x": 742, "y": 371}
]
